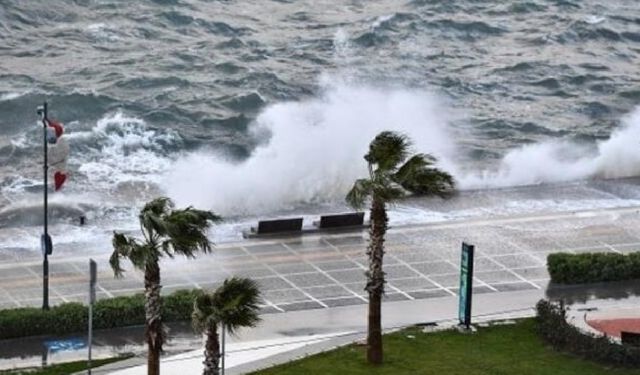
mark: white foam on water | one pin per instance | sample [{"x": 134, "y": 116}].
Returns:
[
  {"x": 594, "y": 19},
  {"x": 103, "y": 32},
  {"x": 21, "y": 141},
  {"x": 401, "y": 214},
  {"x": 11, "y": 95},
  {"x": 380, "y": 20},
  {"x": 558, "y": 161},
  {"x": 64, "y": 237},
  {"x": 314, "y": 152},
  {"x": 17, "y": 185},
  {"x": 128, "y": 151}
]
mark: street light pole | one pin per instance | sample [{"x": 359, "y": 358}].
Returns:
[{"x": 45, "y": 240}]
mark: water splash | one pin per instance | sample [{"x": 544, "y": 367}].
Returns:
[
  {"x": 558, "y": 161},
  {"x": 128, "y": 150},
  {"x": 314, "y": 151}
]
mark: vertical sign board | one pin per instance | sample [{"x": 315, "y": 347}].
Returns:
[
  {"x": 466, "y": 284},
  {"x": 93, "y": 275}
]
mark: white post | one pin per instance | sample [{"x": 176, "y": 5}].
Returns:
[{"x": 90, "y": 338}]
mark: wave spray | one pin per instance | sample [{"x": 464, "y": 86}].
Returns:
[{"x": 311, "y": 151}]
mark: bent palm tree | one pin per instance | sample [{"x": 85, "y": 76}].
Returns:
[
  {"x": 234, "y": 304},
  {"x": 393, "y": 174},
  {"x": 166, "y": 232}
]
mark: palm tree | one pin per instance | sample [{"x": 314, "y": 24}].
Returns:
[
  {"x": 234, "y": 304},
  {"x": 166, "y": 232},
  {"x": 393, "y": 174}
]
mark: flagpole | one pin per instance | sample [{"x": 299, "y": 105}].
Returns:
[{"x": 45, "y": 241}]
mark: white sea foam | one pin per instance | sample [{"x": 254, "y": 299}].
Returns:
[
  {"x": 64, "y": 236},
  {"x": 129, "y": 151},
  {"x": 21, "y": 141},
  {"x": 380, "y": 20},
  {"x": 557, "y": 161},
  {"x": 594, "y": 19},
  {"x": 17, "y": 185},
  {"x": 103, "y": 33},
  {"x": 314, "y": 153},
  {"x": 10, "y": 96}
]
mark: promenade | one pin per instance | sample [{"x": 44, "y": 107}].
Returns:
[
  {"x": 324, "y": 271},
  {"x": 313, "y": 284}
]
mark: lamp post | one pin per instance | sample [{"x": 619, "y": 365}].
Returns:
[{"x": 45, "y": 239}]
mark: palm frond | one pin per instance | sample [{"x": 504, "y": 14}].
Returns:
[
  {"x": 166, "y": 248},
  {"x": 159, "y": 206},
  {"x": 123, "y": 247},
  {"x": 388, "y": 149},
  {"x": 166, "y": 232},
  {"x": 144, "y": 254},
  {"x": 202, "y": 312},
  {"x": 187, "y": 230},
  {"x": 384, "y": 188},
  {"x": 388, "y": 192},
  {"x": 413, "y": 167},
  {"x": 236, "y": 303},
  {"x": 358, "y": 194},
  {"x": 419, "y": 176},
  {"x": 152, "y": 214}
]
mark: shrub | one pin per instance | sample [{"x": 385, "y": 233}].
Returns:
[
  {"x": 565, "y": 268},
  {"x": 29, "y": 321},
  {"x": 21, "y": 322},
  {"x": 552, "y": 326},
  {"x": 119, "y": 312},
  {"x": 178, "y": 306},
  {"x": 69, "y": 318}
]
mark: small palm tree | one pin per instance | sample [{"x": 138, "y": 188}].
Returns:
[
  {"x": 234, "y": 304},
  {"x": 393, "y": 174},
  {"x": 166, "y": 232}
]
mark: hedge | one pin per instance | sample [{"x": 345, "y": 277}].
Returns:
[
  {"x": 565, "y": 268},
  {"x": 68, "y": 318},
  {"x": 552, "y": 326}
]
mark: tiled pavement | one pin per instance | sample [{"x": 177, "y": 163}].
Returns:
[{"x": 321, "y": 271}]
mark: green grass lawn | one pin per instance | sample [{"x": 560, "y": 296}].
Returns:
[
  {"x": 496, "y": 350},
  {"x": 66, "y": 368}
]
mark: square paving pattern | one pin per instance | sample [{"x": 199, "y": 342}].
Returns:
[{"x": 322, "y": 271}]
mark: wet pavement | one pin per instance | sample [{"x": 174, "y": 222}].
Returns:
[
  {"x": 326, "y": 270},
  {"x": 348, "y": 324},
  {"x": 42, "y": 350},
  {"x": 321, "y": 272}
]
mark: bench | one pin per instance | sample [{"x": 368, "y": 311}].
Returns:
[
  {"x": 355, "y": 219},
  {"x": 278, "y": 226},
  {"x": 630, "y": 338}
]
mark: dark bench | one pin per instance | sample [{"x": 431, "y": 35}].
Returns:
[
  {"x": 630, "y": 338},
  {"x": 278, "y": 226},
  {"x": 355, "y": 219}
]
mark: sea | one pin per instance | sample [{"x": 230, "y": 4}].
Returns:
[{"x": 264, "y": 108}]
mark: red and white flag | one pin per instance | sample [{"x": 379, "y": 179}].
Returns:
[{"x": 58, "y": 153}]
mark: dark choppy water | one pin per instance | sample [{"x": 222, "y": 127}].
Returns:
[{"x": 259, "y": 106}]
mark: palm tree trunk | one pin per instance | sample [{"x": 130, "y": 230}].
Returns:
[
  {"x": 154, "y": 330},
  {"x": 212, "y": 352},
  {"x": 375, "y": 279}
]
